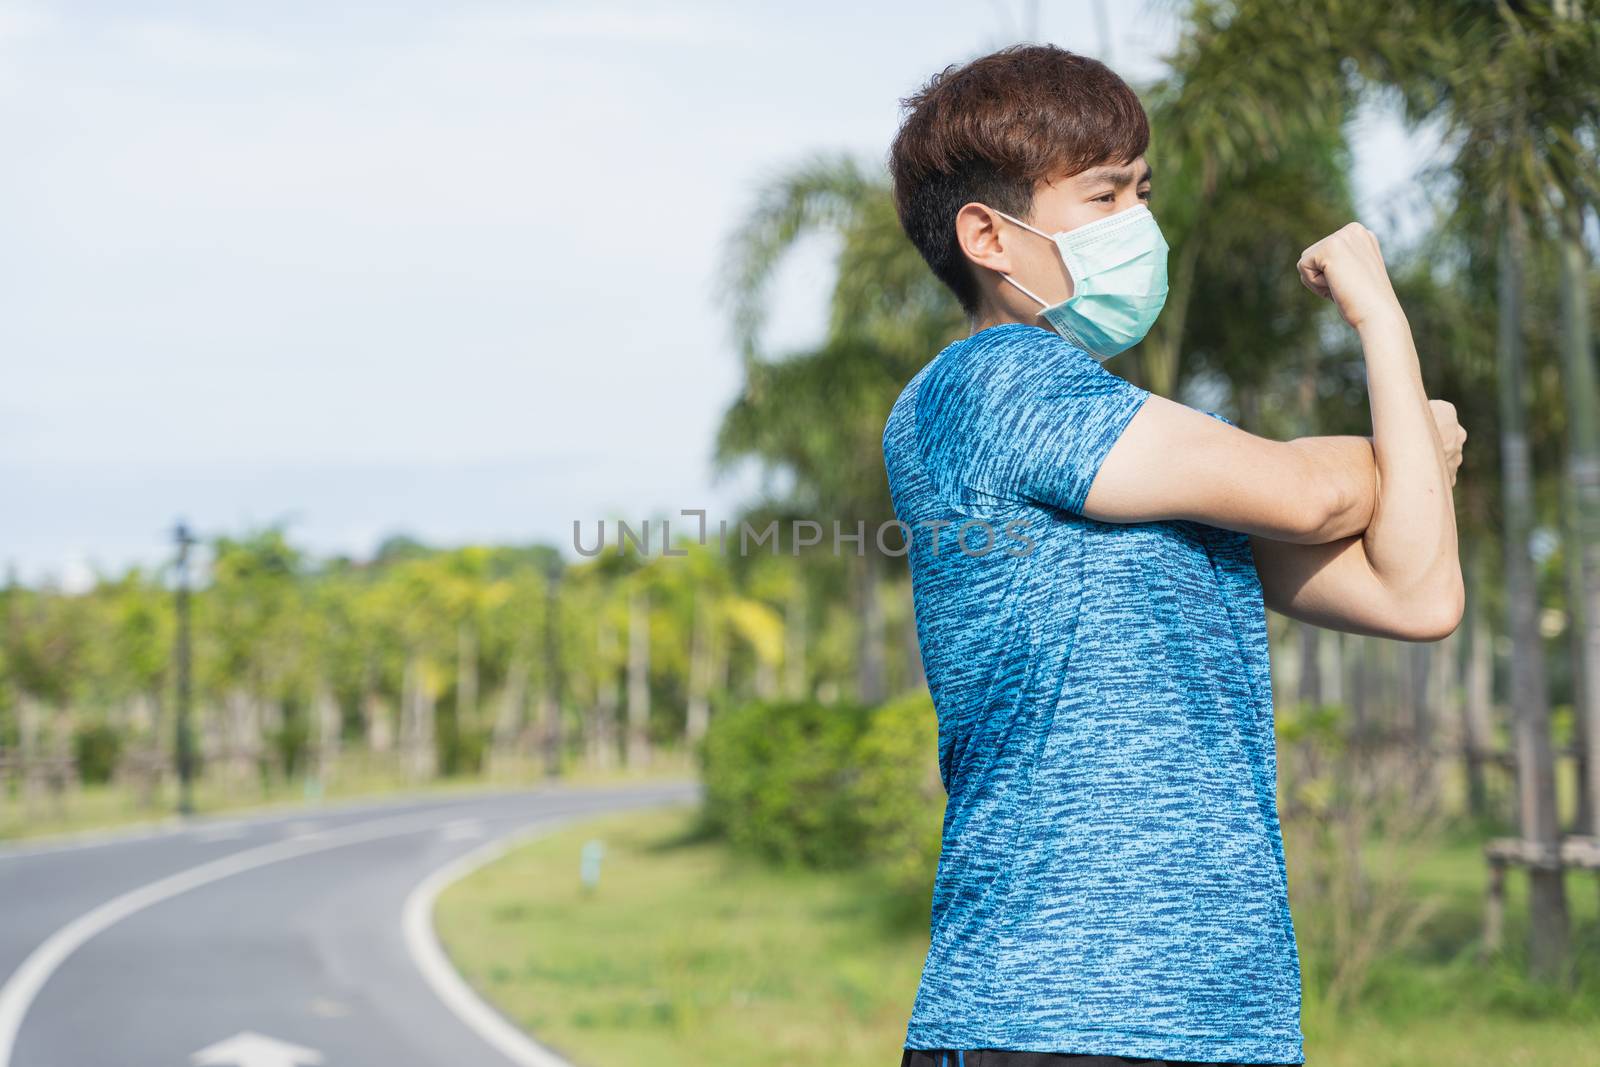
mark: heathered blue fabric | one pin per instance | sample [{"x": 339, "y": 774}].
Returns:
[{"x": 1111, "y": 879}]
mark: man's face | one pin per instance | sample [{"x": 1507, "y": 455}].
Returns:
[{"x": 1065, "y": 204}]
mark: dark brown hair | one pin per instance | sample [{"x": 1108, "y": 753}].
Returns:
[{"x": 991, "y": 130}]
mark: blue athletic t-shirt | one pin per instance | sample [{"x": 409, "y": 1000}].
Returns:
[{"x": 1111, "y": 879}]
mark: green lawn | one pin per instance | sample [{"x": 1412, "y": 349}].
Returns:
[
  {"x": 685, "y": 954},
  {"x": 689, "y": 955}
]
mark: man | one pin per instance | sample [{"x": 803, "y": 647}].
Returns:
[{"x": 1090, "y": 566}]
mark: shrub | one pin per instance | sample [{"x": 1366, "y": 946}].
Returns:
[
  {"x": 899, "y": 795},
  {"x": 461, "y": 748},
  {"x": 291, "y": 743},
  {"x": 829, "y": 785},
  {"x": 97, "y": 747},
  {"x": 778, "y": 780}
]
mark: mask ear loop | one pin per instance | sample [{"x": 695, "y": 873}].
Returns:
[{"x": 1031, "y": 294}]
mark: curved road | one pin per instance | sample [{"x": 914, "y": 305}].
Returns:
[{"x": 270, "y": 941}]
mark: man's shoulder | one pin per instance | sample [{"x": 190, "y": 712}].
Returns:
[{"x": 984, "y": 386}]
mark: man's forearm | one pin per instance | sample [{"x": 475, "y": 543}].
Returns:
[{"x": 1411, "y": 540}]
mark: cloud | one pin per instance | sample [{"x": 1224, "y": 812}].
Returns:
[{"x": 185, "y": 44}]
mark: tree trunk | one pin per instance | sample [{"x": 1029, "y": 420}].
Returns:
[
  {"x": 1583, "y": 495},
  {"x": 30, "y": 714},
  {"x": 766, "y": 677},
  {"x": 795, "y": 637},
  {"x": 1572, "y": 577},
  {"x": 870, "y": 681},
  {"x": 1309, "y": 688},
  {"x": 1477, "y": 721},
  {"x": 509, "y": 717},
  {"x": 1358, "y": 648},
  {"x": 698, "y": 712},
  {"x": 416, "y": 721},
  {"x": 1330, "y": 664},
  {"x": 1427, "y": 693},
  {"x": 380, "y": 731},
  {"x": 721, "y": 660},
  {"x": 603, "y": 749},
  {"x": 638, "y": 678},
  {"x": 551, "y": 711},
  {"x": 329, "y": 724},
  {"x": 1536, "y": 783},
  {"x": 466, "y": 679},
  {"x": 1444, "y": 683}
]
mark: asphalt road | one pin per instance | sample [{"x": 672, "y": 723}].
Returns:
[{"x": 264, "y": 942}]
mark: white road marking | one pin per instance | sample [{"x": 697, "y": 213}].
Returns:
[
  {"x": 171, "y": 825},
  {"x": 463, "y": 830},
  {"x": 78, "y": 839},
  {"x": 426, "y": 952},
  {"x": 250, "y": 1049},
  {"x": 20, "y": 990},
  {"x": 220, "y": 831}
]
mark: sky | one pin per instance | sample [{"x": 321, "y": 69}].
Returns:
[{"x": 448, "y": 270}]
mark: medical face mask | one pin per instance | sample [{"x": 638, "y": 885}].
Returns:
[{"x": 1119, "y": 281}]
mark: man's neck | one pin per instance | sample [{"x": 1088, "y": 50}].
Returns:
[{"x": 997, "y": 318}]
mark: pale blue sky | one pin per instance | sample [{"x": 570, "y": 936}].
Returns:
[{"x": 445, "y": 268}]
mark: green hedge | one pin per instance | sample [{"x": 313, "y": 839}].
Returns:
[
  {"x": 829, "y": 786},
  {"x": 97, "y": 747}
]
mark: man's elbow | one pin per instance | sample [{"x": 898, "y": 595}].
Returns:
[
  {"x": 1436, "y": 616},
  {"x": 1321, "y": 516}
]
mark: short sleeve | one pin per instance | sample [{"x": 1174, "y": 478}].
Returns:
[{"x": 1054, "y": 421}]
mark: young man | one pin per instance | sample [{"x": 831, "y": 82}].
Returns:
[{"x": 1090, "y": 565}]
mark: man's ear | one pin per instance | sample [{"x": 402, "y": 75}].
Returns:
[{"x": 981, "y": 234}]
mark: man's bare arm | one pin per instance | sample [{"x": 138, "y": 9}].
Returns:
[
  {"x": 1306, "y": 504},
  {"x": 1347, "y": 464},
  {"x": 1401, "y": 576},
  {"x": 1333, "y": 585},
  {"x": 1373, "y": 552},
  {"x": 1175, "y": 462}
]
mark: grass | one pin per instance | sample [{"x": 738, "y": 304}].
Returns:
[
  {"x": 1436, "y": 1001},
  {"x": 688, "y": 954},
  {"x": 684, "y": 954},
  {"x": 106, "y": 807}
]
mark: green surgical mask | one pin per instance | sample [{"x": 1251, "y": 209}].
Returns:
[{"x": 1118, "y": 266}]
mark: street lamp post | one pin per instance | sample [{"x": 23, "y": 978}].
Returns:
[
  {"x": 552, "y": 654},
  {"x": 185, "y": 738}
]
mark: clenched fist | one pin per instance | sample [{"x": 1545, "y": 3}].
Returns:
[
  {"x": 1347, "y": 268},
  {"x": 1450, "y": 433}
]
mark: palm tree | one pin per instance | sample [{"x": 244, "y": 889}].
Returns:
[
  {"x": 1583, "y": 400},
  {"x": 1515, "y": 87},
  {"x": 815, "y": 419},
  {"x": 1521, "y": 87}
]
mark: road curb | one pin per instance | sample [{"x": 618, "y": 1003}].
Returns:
[{"x": 422, "y": 943}]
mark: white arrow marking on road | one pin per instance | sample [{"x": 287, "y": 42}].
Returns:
[{"x": 250, "y": 1049}]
